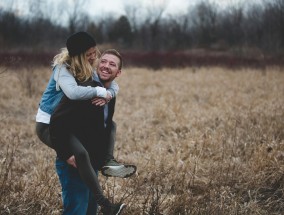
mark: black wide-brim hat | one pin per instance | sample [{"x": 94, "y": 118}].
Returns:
[{"x": 79, "y": 43}]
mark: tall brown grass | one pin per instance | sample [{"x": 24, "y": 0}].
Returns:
[{"x": 205, "y": 140}]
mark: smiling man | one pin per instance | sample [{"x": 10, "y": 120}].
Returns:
[{"x": 109, "y": 67}]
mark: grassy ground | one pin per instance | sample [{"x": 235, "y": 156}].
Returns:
[{"x": 205, "y": 140}]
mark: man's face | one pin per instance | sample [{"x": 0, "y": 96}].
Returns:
[
  {"x": 91, "y": 55},
  {"x": 108, "y": 68}
]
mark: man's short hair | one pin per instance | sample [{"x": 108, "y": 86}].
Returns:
[{"x": 115, "y": 53}]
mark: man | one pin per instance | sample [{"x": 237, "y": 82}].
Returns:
[{"x": 87, "y": 123}]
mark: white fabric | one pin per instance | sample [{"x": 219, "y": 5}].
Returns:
[
  {"x": 42, "y": 117},
  {"x": 101, "y": 92}
]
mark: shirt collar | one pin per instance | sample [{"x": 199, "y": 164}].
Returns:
[{"x": 96, "y": 78}]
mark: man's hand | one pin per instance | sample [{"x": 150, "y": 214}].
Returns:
[{"x": 71, "y": 161}]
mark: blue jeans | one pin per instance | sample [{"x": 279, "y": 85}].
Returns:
[{"x": 76, "y": 196}]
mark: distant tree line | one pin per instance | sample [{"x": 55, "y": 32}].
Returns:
[{"x": 258, "y": 27}]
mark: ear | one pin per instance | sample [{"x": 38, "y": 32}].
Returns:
[{"x": 118, "y": 73}]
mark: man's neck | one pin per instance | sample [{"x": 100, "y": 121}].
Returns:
[{"x": 106, "y": 84}]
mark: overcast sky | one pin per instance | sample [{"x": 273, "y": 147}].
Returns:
[
  {"x": 172, "y": 6},
  {"x": 96, "y": 8}
]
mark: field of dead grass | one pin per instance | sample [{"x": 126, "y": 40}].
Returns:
[{"x": 205, "y": 140}]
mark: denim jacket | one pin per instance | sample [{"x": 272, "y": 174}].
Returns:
[{"x": 51, "y": 96}]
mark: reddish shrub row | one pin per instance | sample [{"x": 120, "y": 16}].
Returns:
[
  {"x": 153, "y": 60},
  {"x": 179, "y": 59},
  {"x": 16, "y": 59}
]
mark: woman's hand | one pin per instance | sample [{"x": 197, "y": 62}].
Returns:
[
  {"x": 71, "y": 161},
  {"x": 99, "y": 101}
]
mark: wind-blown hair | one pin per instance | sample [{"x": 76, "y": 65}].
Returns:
[{"x": 77, "y": 65}]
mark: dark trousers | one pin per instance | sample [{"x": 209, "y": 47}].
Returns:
[
  {"x": 42, "y": 131},
  {"x": 88, "y": 174}
]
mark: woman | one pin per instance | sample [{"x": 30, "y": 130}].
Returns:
[
  {"x": 78, "y": 58},
  {"x": 62, "y": 81}
]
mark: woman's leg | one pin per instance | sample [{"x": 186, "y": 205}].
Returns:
[
  {"x": 42, "y": 131},
  {"x": 86, "y": 171}
]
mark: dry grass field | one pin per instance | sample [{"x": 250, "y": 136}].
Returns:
[{"x": 205, "y": 140}]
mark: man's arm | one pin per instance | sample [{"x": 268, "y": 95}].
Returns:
[{"x": 113, "y": 89}]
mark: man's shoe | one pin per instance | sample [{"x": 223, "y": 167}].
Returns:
[
  {"x": 113, "y": 209},
  {"x": 114, "y": 169}
]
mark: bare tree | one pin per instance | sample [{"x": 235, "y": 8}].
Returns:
[
  {"x": 273, "y": 22},
  {"x": 155, "y": 12},
  {"x": 177, "y": 29},
  {"x": 252, "y": 26},
  {"x": 132, "y": 11},
  {"x": 204, "y": 21},
  {"x": 230, "y": 27},
  {"x": 74, "y": 12},
  {"x": 120, "y": 32},
  {"x": 37, "y": 8}
]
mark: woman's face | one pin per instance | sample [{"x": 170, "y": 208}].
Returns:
[{"x": 91, "y": 55}]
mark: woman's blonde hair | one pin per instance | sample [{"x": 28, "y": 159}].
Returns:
[{"x": 77, "y": 65}]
